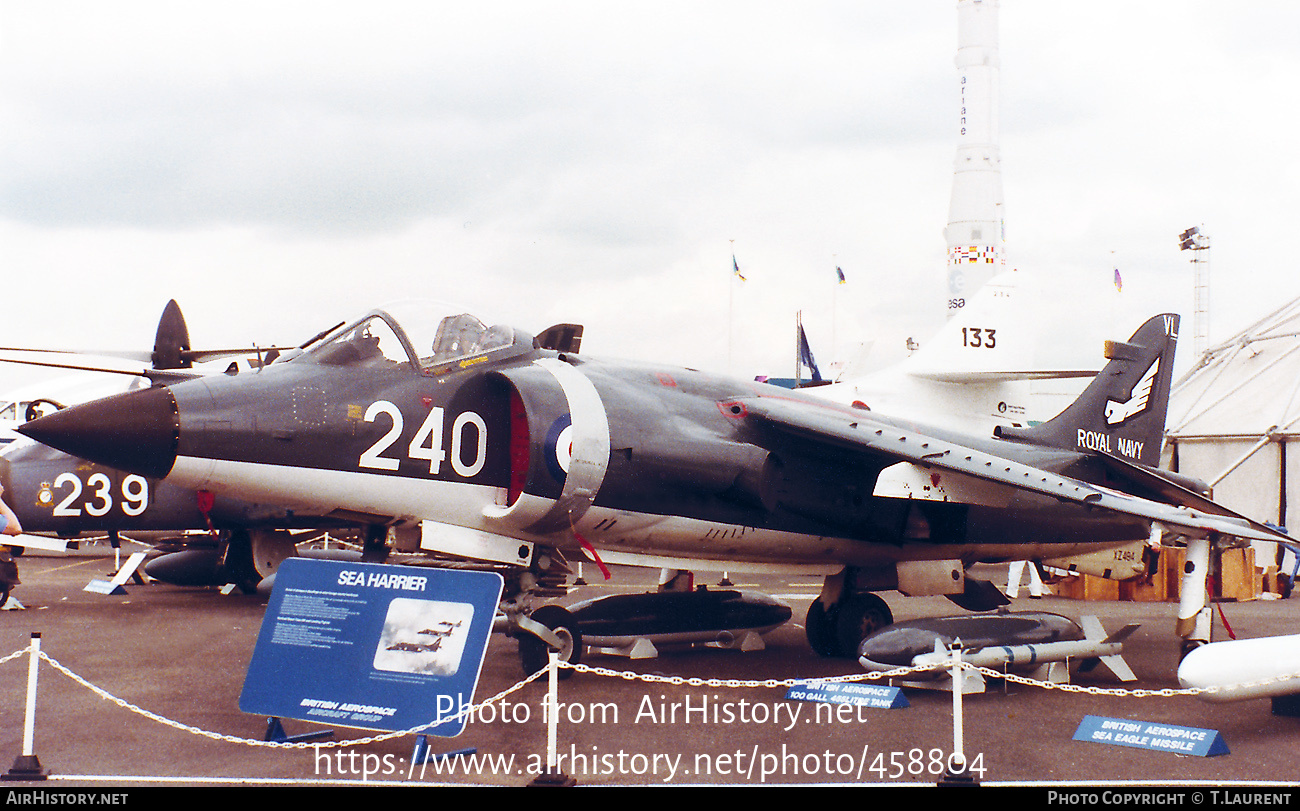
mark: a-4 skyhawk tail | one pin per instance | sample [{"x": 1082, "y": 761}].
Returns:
[{"x": 481, "y": 441}]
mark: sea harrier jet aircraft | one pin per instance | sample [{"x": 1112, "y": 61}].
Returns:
[{"x": 482, "y": 441}]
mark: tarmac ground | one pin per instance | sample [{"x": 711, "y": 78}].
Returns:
[{"x": 182, "y": 653}]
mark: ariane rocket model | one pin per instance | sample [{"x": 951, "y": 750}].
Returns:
[{"x": 975, "y": 231}]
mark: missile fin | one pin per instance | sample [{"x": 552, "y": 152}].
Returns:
[
  {"x": 1123, "y": 633},
  {"x": 1116, "y": 664}
]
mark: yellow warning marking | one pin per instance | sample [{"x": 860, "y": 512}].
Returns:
[{"x": 70, "y": 565}]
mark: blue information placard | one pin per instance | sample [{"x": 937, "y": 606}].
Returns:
[
  {"x": 372, "y": 645},
  {"x": 862, "y": 695},
  {"x": 1157, "y": 737}
]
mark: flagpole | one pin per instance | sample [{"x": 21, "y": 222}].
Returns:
[
  {"x": 835, "y": 312},
  {"x": 798, "y": 358},
  {"x": 731, "y": 303}
]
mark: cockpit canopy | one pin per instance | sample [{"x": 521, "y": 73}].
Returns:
[{"x": 432, "y": 337}]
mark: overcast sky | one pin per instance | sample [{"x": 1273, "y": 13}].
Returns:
[{"x": 277, "y": 167}]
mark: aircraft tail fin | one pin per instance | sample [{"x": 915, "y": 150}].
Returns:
[
  {"x": 1122, "y": 412},
  {"x": 977, "y": 367},
  {"x": 171, "y": 360},
  {"x": 988, "y": 338},
  {"x": 994, "y": 339},
  {"x": 171, "y": 344}
]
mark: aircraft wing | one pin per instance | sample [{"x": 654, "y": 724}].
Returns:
[
  {"x": 1172, "y": 491},
  {"x": 883, "y": 439},
  {"x": 110, "y": 365},
  {"x": 143, "y": 356}
]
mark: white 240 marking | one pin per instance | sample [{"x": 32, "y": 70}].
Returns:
[
  {"x": 427, "y": 442},
  {"x": 135, "y": 495}
]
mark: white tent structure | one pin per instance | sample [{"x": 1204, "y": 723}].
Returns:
[{"x": 1234, "y": 421}]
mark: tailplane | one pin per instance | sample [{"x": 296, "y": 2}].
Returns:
[{"x": 1122, "y": 412}]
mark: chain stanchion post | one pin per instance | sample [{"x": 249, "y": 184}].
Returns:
[
  {"x": 27, "y": 766},
  {"x": 552, "y": 777},
  {"x": 958, "y": 771}
]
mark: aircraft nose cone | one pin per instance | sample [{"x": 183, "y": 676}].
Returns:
[{"x": 136, "y": 432}]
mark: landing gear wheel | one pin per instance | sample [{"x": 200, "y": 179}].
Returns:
[
  {"x": 534, "y": 653},
  {"x": 1186, "y": 646},
  {"x": 17, "y": 551},
  {"x": 237, "y": 563},
  {"x": 820, "y": 628},
  {"x": 857, "y": 617},
  {"x": 375, "y": 548}
]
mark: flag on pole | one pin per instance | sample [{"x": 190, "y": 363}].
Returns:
[
  {"x": 736, "y": 268},
  {"x": 1119, "y": 282},
  {"x": 839, "y": 273}
]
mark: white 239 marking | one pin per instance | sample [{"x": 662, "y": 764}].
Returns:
[
  {"x": 427, "y": 442},
  {"x": 135, "y": 495}
]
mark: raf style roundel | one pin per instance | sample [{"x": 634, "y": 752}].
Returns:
[{"x": 559, "y": 447}]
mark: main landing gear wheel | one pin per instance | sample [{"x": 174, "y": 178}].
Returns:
[
  {"x": 534, "y": 653},
  {"x": 838, "y": 632},
  {"x": 820, "y": 628},
  {"x": 859, "y": 616},
  {"x": 237, "y": 562}
]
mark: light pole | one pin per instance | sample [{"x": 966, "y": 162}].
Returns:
[{"x": 1193, "y": 240}]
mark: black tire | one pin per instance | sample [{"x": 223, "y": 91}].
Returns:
[
  {"x": 857, "y": 617},
  {"x": 1186, "y": 646},
  {"x": 820, "y": 628},
  {"x": 1288, "y": 706},
  {"x": 17, "y": 551},
  {"x": 237, "y": 563},
  {"x": 534, "y": 654}
]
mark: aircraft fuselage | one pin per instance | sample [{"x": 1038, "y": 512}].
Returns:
[{"x": 558, "y": 449}]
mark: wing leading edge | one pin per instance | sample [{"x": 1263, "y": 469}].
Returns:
[{"x": 885, "y": 439}]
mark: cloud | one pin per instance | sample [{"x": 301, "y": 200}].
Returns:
[
  {"x": 181, "y": 115},
  {"x": 275, "y": 165}
]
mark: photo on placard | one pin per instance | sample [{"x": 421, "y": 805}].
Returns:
[{"x": 423, "y": 636}]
